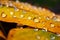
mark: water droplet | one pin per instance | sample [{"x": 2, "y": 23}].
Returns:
[
  {"x": 11, "y": 13},
  {"x": 14, "y": 16},
  {"x": 34, "y": 7},
  {"x": 36, "y": 29},
  {"x": 3, "y": 15},
  {"x": 16, "y": 9},
  {"x": 44, "y": 29},
  {"x": 39, "y": 17},
  {"x": 39, "y": 8},
  {"x": 52, "y": 37},
  {"x": 47, "y": 18},
  {"x": 21, "y": 16},
  {"x": 54, "y": 18},
  {"x": 10, "y": 3},
  {"x": 36, "y": 20},
  {"x": 52, "y": 25},
  {"x": 58, "y": 35},
  {"x": 29, "y": 18},
  {"x": 17, "y": 1}
]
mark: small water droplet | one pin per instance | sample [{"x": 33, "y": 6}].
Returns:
[
  {"x": 21, "y": 16},
  {"x": 16, "y": 9},
  {"x": 3, "y": 15},
  {"x": 52, "y": 25},
  {"x": 44, "y": 29},
  {"x": 58, "y": 35},
  {"x": 52, "y": 37},
  {"x": 29, "y": 18},
  {"x": 36, "y": 29},
  {"x": 36, "y": 20},
  {"x": 14, "y": 16},
  {"x": 47, "y": 18},
  {"x": 11, "y": 13},
  {"x": 17, "y": 1}
]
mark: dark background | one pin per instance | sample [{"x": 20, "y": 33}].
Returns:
[{"x": 53, "y": 5}]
